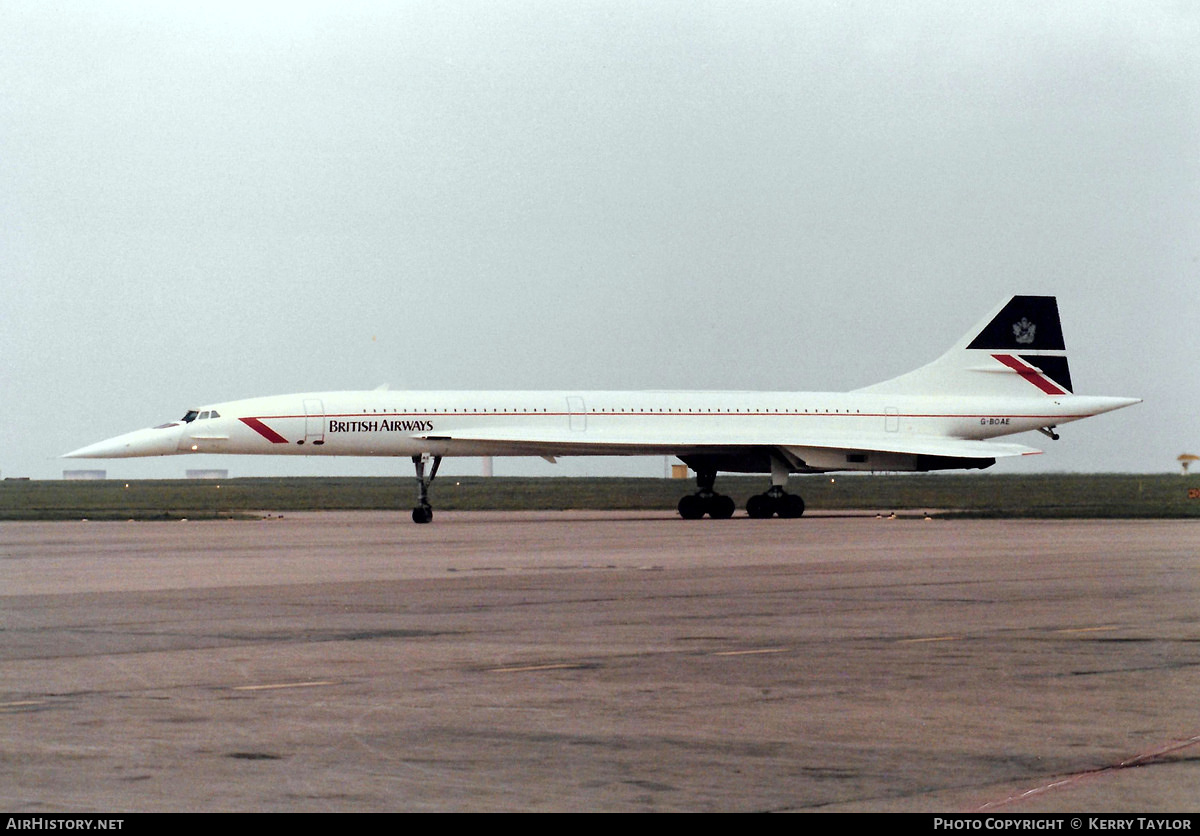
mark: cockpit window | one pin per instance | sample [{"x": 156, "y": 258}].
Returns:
[
  {"x": 203, "y": 416},
  {"x": 215, "y": 414},
  {"x": 190, "y": 417}
]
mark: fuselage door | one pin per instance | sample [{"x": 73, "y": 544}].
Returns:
[
  {"x": 314, "y": 421},
  {"x": 578, "y": 412}
]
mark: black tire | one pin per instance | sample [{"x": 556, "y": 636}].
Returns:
[
  {"x": 791, "y": 507},
  {"x": 691, "y": 507},
  {"x": 422, "y": 514},
  {"x": 759, "y": 507},
  {"x": 721, "y": 507}
]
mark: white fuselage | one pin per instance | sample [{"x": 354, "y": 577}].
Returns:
[
  {"x": 819, "y": 427},
  {"x": 1009, "y": 374}
]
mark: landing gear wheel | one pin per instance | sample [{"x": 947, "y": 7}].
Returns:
[
  {"x": 763, "y": 506},
  {"x": 705, "y": 500},
  {"x": 422, "y": 514},
  {"x": 759, "y": 507},
  {"x": 790, "y": 507},
  {"x": 691, "y": 507},
  {"x": 721, "y": 507}
]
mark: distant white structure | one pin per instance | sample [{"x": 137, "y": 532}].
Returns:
[
  {"x": 212, "y": 473},
  {"x": 487, "y": 465},
  {"x": 85, "y": 474}
]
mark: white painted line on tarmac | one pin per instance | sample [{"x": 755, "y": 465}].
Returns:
[
  {"x": 1103, "y": 629},
  {"x": 279, "y": 685},
  {"x": 1137, "y": 760},
  {"x": 752, "y": 652}
]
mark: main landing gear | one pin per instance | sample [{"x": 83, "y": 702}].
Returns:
[
  {"x": 423, "y": 513},
  {"x": 706, "y": 501},
  {"x": 775, "y": 502}
]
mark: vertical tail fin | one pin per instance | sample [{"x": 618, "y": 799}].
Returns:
[{"x": 1017, "y": 350}]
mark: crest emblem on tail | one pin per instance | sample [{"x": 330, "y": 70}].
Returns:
[{"x": 1024, "y": 331}]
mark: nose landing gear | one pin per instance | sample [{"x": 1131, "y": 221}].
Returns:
[{"x": 423, "y": 513}]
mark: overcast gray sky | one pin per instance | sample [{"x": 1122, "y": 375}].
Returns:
[{"x": 203, "y": 202}]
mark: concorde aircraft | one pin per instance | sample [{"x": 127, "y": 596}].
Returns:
[{"x": 1008, "y": 375}]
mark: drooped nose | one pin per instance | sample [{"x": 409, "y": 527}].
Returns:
[{"x": 154, "y": 441}]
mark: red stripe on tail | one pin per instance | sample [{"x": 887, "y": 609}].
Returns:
[{"x": 1031, "y": 374}]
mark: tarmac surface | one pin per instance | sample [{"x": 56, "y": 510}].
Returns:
[{"x": 600, "y": 661}]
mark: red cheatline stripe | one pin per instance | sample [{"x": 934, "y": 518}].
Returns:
[
  {"x": 1030, "y": 373},
  {"x": 263, "y": 430}
]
